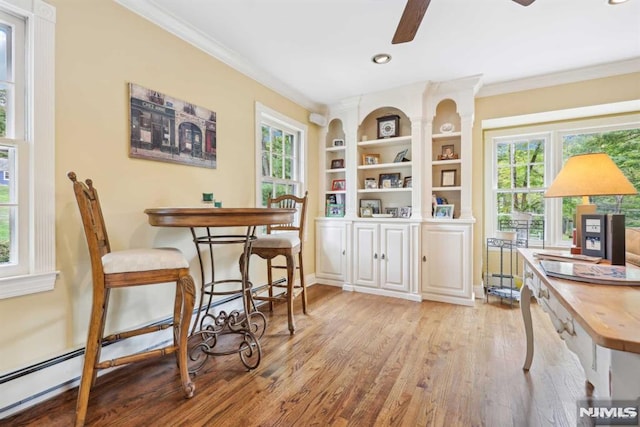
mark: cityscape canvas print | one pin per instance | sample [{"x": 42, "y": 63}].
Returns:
[{"x": 166, "y": 129}]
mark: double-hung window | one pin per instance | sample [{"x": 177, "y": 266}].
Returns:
[
  {"x": 521, "y": 161},
  {"x": 280, "y": 155},
  {"x": 27, "y": 209}
]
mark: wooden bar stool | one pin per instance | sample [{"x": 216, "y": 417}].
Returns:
[
  {"x": 121, "y": 269},
  {"x": 286, "y": 240}
]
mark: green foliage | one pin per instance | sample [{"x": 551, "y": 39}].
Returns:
[{"x": 623, "y": 147}]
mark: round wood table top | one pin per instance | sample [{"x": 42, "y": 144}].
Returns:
[{"x": 218, "y": 217}]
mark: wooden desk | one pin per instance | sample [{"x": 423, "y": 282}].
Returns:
[
  {"x": 250, "y": 324},
  {"x": 600, "y": 323}
]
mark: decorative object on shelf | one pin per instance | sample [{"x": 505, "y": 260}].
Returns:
[
  {"x": 366, "y": 212},
  {"x": 337, "y": 164},
  {"x": 335, "y": 210},
  {"x": 382, "y": 215},
  {"x": 338, "y": 142},
  {"x": 443, "y": 211},
  {"x": 401, "y": 156},
  {"x": 391, "y": 211},
  {"x": 448, "y": 178},
  {"x": 405, "y": 212},
  {"x": 388, "y": 126},
  {"x": 407, "y": 182},
  {"x": 389, "y": 180},
  {"x": 338, "y": 185},
  {"x": 370, "y": 159},
  {"x": 374, "y": 204},
  {"x": 448, "y": 153},
  {"x": 370, "y": 183},
  {"x": 447, "y": 128},
  {"x": 594, "y": 230},
  {"x": 584, "y": 175}
]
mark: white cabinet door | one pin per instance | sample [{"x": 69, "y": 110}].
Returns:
[
  {"x": 331, "y": 250},
  {"x": 446, "y": 262},
  {"x": 394, "y": 257},
  {"x": 365, "y": 254}
]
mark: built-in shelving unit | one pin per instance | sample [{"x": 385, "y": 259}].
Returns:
[{"x": 402, "y": 251}]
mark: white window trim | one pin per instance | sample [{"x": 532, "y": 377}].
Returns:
[
  {"x": 506, "y": 126},
  {"x": 41, "y": 18},
  {"x": 264, "y": 112}
]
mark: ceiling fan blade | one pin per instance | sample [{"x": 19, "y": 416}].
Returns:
[
  {"x": 524, "y": 2},
  {"x": 410, "y": 21}
]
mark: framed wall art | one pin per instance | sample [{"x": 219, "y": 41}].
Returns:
[{"x": 167, "y": 129}]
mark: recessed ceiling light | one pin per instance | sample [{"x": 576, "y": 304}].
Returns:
[
  {"x": 381, "y": 58},
  {"x": 617, "y": 1}
]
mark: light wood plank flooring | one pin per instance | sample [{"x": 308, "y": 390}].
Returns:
[{"x": 355, "y": 360}]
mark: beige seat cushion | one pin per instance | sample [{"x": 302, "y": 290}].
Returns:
[
  {"x": 632, "y": 245},
  {"x": 279, "y": 240},
  {"x": 131, "y": 260}
]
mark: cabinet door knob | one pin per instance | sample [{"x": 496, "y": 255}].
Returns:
[
  {"x": 382, "y": 256},
  {"x": 543, "y": 293},
  {"x": 344, "y": 252},
  {"x": 424, "y": 258},
  {"x": 528, "y": 275},
  {"x": 375, "y": 256}
]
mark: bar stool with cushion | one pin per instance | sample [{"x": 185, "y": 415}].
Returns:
[
  {"x": 119, "y": 269},
  {"x": 286, "y": 240}
]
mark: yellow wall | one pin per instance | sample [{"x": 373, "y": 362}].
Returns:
[
  {"x": 593, "y": 92},
  {"x": 100, "y": 47}
]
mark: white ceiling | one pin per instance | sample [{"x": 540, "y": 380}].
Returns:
[{"x": 317, "y": 52}]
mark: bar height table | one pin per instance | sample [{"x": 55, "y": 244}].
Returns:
[{"x": 207, "y": 328}]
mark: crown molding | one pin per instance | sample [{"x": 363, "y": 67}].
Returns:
[
  {"x": 571, "y": 76},
  {"x": 155, "y": 14}
]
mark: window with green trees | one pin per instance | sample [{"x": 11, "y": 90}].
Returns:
[
  {"x": 525, "y": 161},
  {"x": 280, "y": 159}
]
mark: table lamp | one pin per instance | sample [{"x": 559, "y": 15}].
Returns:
[{"x": 584, "y": 175}]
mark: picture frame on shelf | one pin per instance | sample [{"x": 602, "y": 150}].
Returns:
[
  {"x": 370, "y": 184},
  {"x": 370, "y": 159},
  {"x": 405, "y": 212},
  {"x": 407, "y": 183},
  {"x": 374, "y": 204},
  {"x": 448, "y": 152},
  {"x": 388, "y": 126},
  {"x": 594, "y": 235},
  {"x": 389, "y": 180},
  {"x": 331, "y": 199},
  {"x": 338, "y": 142},
  {"x": 366, "y": 212},
  {"x": 401, "y": 156},
  {"x": 391, "y": 211},
  {"x": 335, "y": 210},
  {"x": 448, "y": 178},
  {"x": 338, "y": 185},
  {"x": 443, "y": 212},
  {"x": 337, "y": 164}
]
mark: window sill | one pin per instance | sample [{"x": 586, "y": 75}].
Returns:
[{"x": 29, "y": 284}]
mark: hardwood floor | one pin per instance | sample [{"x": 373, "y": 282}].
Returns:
[{"x": 355, "y": 360}]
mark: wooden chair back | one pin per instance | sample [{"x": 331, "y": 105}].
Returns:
[
  {"x": 94, "y": 227},
  {"x": 290, "y": 201}
]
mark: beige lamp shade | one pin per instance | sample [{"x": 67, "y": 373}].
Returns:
[{"x": 592, "y": 174}]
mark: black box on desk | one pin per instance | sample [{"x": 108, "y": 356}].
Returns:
[{"x": 615, "y": 250}]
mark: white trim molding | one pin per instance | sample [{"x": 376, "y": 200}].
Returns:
[
  {"x": 41, "y": 19},
  {"x": 153, "y": 13}
]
